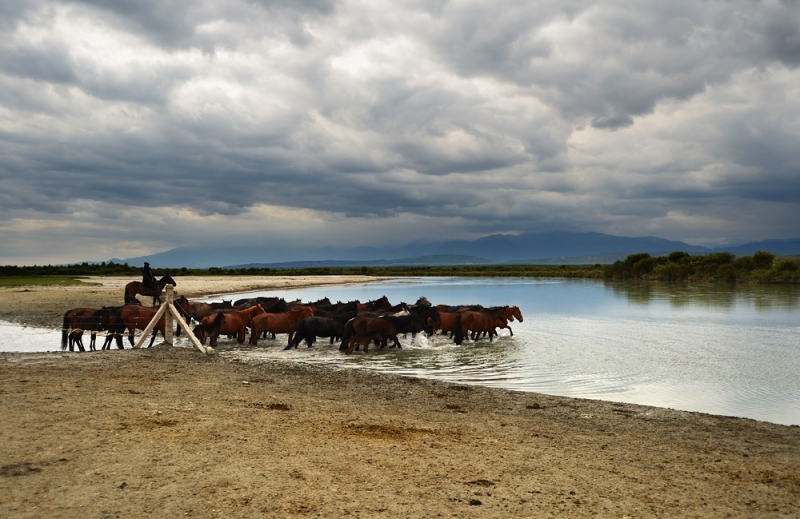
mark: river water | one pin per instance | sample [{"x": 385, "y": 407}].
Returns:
[{"x": 719, "y": 349}]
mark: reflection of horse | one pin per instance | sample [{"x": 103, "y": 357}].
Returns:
[
  {"x": 285, "y": 322},
  {"x": 137, "y": 287}
]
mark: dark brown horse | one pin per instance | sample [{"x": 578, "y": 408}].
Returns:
[
  {"x": 363, "y": 339},
  {"x": 68, "y": 324},
  {"x": 197, "y": 310},
  {"x": 137, "y": 287}
]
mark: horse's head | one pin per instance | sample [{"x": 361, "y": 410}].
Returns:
[
  {"x": 514, "y": 312},
  {"x": 167, "y": 280},
  {"x": 226, "y": 304},
  {"x": 185, "y": 306}
]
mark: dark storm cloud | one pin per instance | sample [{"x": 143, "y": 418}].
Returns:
[{"x": 502, "y": 117}]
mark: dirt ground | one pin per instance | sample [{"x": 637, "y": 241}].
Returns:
[{"x": 170, "y": 432}]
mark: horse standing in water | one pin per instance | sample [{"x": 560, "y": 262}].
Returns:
[{"x": 137, "y": 287}]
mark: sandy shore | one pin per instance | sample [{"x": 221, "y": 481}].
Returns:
[
  {"x": 44, "y": 306},
  {"x": 170, "y": 432}
]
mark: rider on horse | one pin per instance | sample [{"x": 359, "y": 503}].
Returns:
[{"x": 148, "y": 279}]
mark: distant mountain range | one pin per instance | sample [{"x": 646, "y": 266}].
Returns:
[{"x": 526, "y": 248}]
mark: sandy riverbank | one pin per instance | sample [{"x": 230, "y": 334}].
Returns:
[{"x": 170, "y": 432}]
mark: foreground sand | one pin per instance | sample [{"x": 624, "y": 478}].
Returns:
[{"x": 168, "y": 432}]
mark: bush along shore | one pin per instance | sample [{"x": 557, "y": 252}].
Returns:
[{"x": 724, "y": 267}]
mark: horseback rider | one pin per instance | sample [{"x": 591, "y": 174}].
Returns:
[{"x": 148, "y": 279}]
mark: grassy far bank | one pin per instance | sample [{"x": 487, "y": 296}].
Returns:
[{"x": 762, "y": 267}]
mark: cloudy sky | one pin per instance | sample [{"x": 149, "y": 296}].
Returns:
[{"x": 135, "y": 126}]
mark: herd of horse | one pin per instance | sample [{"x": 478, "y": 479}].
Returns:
[{"x": 356, "y": 325}]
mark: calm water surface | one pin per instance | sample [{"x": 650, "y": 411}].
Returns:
[{"x": 728, "y": 350}]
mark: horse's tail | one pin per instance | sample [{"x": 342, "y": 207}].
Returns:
[
  {"x": 458, "y": 333},
  {"x": 129, "y": 298},
  {"x": 65, "y": 330},
  {"x": 346, "y": 334}
]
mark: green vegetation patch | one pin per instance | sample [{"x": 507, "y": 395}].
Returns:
[
  {"x": 18, "y": 281},
  {"x": 719, "y": 267}
]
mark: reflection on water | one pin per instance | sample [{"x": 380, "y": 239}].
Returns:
[
  {"x": 761, "y": 297},
  {"x": 731, "y": 350}
]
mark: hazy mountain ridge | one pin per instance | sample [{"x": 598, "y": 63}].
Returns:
[{"x": 526, "y": 248}]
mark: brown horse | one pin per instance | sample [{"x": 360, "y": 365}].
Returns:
[
  {"x": 231, "y": 323},
  {"x": 198, "y": 310},
  {"x": 137, "y": 287},
  {"x": 376, "y": 305},
  {"x": 285, "y": 322},
  {"x": 70, "y": 322},
  {"x": 511, "y": 313},
  {"x": 363, "y": 339},
  {"x": 133, "y": 317},
  {"x": 362, "y": 324},
  {"x": 478, "y": 322}
]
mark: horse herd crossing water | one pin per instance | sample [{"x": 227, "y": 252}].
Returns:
[{"x": 355, "y": 325}]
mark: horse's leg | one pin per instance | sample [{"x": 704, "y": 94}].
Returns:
[
  {"x": 92, "y": 339},
  {"x": 153, "y": 337}
]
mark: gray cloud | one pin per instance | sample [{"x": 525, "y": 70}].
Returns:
[{"x": 504, "y": 117}]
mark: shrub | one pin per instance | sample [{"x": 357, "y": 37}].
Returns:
[
  {"x": 678, "y": 256},
  {"x": 763, "y": 260}
]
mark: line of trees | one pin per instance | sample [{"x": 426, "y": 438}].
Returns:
[
  {"x": 761, "y": 267},
  {"x": 123, "y": 269}
]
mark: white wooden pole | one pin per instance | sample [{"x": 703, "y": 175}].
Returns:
[
  {"x": 151, "y": 325},
  {"x": 168, "y": 324},
  {"x": 192, "y": 338},
  {"x": 172, "y": 313}
]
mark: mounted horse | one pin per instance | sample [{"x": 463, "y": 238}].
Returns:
[{"x": 137, "y": 287}]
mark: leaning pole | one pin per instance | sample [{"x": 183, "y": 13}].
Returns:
[{"x": 171, "y": 312}]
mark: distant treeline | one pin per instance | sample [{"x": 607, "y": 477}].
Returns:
[
  {"x": 117, "y": 269},
  {"x": 723, "y": 267},
  {"x": 761, "y": 267}
]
